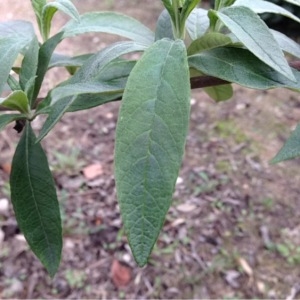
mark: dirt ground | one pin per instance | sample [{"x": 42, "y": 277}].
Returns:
[{"x": 232, "y": 232}]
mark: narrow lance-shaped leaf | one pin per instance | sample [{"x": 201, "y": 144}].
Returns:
[
  {"x": 29, "y": 68},
  {"x": 37, "y": 6},
  {"x": 256, "y": 37},
  {"x": 51, "y": 8},
  {"x": 150, "y": 138},
  {"x": 34, "y": 200},
  {"x": 291, "y": 148},
  {"x": 110, "y": 22},
  {"x": 242, "y": 67}
]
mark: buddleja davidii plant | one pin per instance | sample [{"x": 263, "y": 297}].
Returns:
[
  {"x": 101, "y": 79},
  {"x": 154, "y": 115}
]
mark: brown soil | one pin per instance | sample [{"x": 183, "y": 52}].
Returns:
[{"x": 232, "y": 231}]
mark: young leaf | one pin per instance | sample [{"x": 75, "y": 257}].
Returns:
[
  {"x": 197, "y": 23},
  {"x": 38, "y": 6},
  {"x": 29, "y": 68},
  {"x": 290, "y": 149},
  {"x": 208, "y": 41},
  {"x": 17, "y": 100},
  {"x": 34, "y": 200},
  {"x": 51, "y": 8},
  {"x": 164, "y": 27},
  {"x": 256, "y": 36},
  {"x": 5, "y": 119},
  {"x": 150, "y": 137},
  {"x": 110, "y": 22},
  {"x": 60, "y": 60},
  {"x": 261, "y": 6},
  {"x": 242, "y": 67},
  {"x": 187, "y": 8}
]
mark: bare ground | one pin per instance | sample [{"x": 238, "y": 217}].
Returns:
[{"x": 233, "y": 229}]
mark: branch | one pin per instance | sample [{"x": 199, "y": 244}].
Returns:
[{"x": 196, "y": 82}]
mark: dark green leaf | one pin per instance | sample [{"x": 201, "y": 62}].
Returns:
[
  {"x": 290, "y": 149},
  {"x": 13, "y": 83},
  {"x": 34, "y": 200},
  {"x": 256, "y": 37},
  {"x": 51, "y": 8},
  {"x": 242, "y": 67},
  {"x": 29, "y": 68},
  {"x": 45, "y": 55},
  {"x": 110, "y": 22},
  {"x": 150, "y": 137}
]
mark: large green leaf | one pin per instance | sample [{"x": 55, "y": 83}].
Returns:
[
  {"x": 208, "y": 41},
  {"x": 17, "y": 100},
  {"x": 110, "y": 22},
  {"x": 34, "y": 200},
  {"x": 150, "y": 138},
  {"x": 14, "y": 36},
  {"x": 261, "y": 6},
  {"x": 29, "y": 68},
  {"x": 197, "y": 23},
  {"x": 256, "y": 36},
  {"x": 242, "y": 67},
  {"x": 51, "y": 8},
  {"x": 5, "y": 119},
  {"x": 290, "y": 149}
]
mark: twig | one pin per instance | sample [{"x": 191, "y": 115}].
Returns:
[{"x": 196, "y": 82}]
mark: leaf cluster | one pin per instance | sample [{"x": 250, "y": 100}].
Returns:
[{"x": 191, "y": 47}]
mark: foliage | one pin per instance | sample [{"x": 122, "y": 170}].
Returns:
[{"x": 191, "y": 47}]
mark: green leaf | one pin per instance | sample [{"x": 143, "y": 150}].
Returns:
[
  {"x": 295, "y": 2},
  {"x": 164, "y": 27},
  {"x": 286, "y": 44},
  {"x": 14, "y": 36},
  {"x": 197, "y": 23},
  {"x": 150, "y": 138},
  {"x": 88, "y": 78},
  {"x": 5, "y": 119},
  {"x": 60, "y": 60},
  {"x": 208, "y": 41},
  {"x": 29, "y": 68},
  {"x": 256, "y": 37},
  {"x": 110, "y": 22},
  {"x": 242, "y": 67},
  {"x": 34, "y": 200},
  {"x": 187, "y": 8},
  {"x": 168, "y": 6},
  {"x": 17, "y": 100},
  {"x": 45, "y": 55},
  {"x": 38, "y": 6},
  {"x": 13, "y": 83},
  {"x": 51, "y": 8},
  {"x": 261, "y": 6},
  {"x": 220, "y": 92},
  {"x": 290, "y": 149}
]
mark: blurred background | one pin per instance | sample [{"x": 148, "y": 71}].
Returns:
[{"x": 233, "y": 230}]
